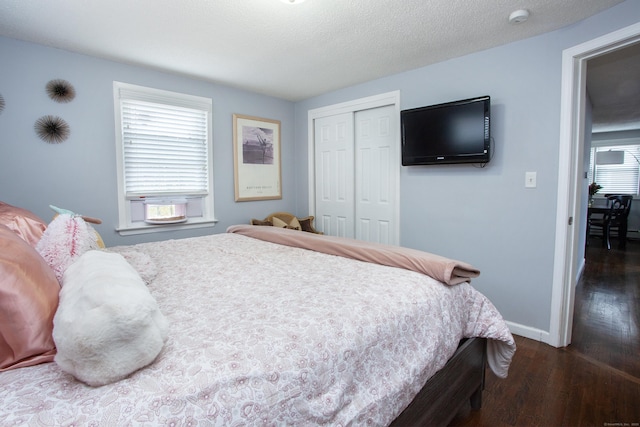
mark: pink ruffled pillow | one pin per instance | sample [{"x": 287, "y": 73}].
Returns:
[
  {"x": 28, "y": 301},
  {"x": 25, "y": 224}
]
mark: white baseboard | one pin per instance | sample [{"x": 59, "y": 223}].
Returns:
[{"x": 529, "y": 332}]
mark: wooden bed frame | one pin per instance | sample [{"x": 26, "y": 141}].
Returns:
[{"x": 460, "y": 380}]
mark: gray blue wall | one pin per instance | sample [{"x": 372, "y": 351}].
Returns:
[
  {"x": 486, "y": 216},
  {"x": 80, "y": 173}
]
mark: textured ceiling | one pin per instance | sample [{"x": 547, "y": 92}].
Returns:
[
  {"x": 613, "y": 82},
  {"x": 288, "y": 51}
]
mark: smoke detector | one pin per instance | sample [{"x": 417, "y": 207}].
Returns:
[{"x": 518, "y": 16}]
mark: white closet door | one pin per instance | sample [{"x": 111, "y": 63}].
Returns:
[
  {"x": 334, "y": 164},
  {"x": 376, "y": 174}
]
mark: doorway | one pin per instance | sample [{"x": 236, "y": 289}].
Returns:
[{"x": 569, "y": 199}]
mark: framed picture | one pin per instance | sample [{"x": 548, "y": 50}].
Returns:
[{"x": 256, "y": 158}]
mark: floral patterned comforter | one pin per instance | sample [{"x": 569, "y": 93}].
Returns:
[{"x": 269, "y": 335}]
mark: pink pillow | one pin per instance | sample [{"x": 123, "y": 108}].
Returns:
[
  {"x": 28, "y": 301},
  {"x": 22, "y": 222}
]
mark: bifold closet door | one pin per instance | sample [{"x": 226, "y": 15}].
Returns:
[
  {"x": 334, "y": 175},
  {"x": 375, "y": 175},
  {"x": 356, "y": 173}
]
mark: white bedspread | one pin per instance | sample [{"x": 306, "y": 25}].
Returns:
[{"x": 263, "y": 334}]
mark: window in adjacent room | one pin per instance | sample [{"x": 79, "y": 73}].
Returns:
[
  {"x": 620, "y": 178},
  {"x": 163, "y": 145}
]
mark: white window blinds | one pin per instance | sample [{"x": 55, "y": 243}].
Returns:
[
  {"x": 617, "y": 178},
  {"x": 165, "y": 149},
  {"x": 165, "y": 141}
]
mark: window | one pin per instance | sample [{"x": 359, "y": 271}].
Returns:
[
  {"x": 163, "y": 145},
  {"x": 616, "y": 178}
]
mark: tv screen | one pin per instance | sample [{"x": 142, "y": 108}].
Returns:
[{"x": 454, "y": 132}]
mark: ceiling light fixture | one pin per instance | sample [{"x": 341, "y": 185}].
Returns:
[
  {"x": 292, "y": 1},
  {"x": 518, "y": 16},
  {"x": 613, "y": 157},
  {"x": 610, "y": 157}
]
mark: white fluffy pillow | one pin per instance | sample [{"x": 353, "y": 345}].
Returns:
[{"x": 108, "y": 324}]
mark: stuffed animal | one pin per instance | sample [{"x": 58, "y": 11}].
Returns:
[
  {"x": 85, "y": 218},
  {"x": 68, "y": 212},
  {"x": 65, "y": 239}
]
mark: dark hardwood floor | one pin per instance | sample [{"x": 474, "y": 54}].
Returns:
[{"x": 593, "y": 382}]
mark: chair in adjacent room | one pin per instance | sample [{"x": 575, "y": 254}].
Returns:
[{"x": 614, "y": 219}]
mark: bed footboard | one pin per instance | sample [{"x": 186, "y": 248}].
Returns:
[{"x": 461, "y": 380}]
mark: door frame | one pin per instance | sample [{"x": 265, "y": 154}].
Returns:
[
  {"x": 572, "y": 121},
  {"x": 353, "y": 106}
]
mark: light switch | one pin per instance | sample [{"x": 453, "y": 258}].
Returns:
[{"x": 530, "y": 179}]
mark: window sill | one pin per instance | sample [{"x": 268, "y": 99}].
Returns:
[{"x": 143, "y": 228}]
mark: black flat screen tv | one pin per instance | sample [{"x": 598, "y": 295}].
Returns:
[{"x": 454, "y": 132}]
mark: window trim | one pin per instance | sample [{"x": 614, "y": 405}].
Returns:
[{"x": 125, "y": 224}]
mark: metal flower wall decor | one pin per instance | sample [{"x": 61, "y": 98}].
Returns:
[
  {"x": 60, "y": 90},
  {"x": 52, "y": 129}
]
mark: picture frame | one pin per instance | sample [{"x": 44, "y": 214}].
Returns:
[{"x": 256, "y": 158}]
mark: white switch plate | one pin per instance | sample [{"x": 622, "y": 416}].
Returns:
[{"x": 530, "y": 179}]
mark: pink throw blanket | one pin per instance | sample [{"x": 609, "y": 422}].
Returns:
[{"x": 445, "y": 270}]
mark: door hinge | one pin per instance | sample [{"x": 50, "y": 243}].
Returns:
[{"x": 570, "y": 220}]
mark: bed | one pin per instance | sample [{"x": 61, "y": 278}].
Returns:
[{"x": 264, "y": 330}]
